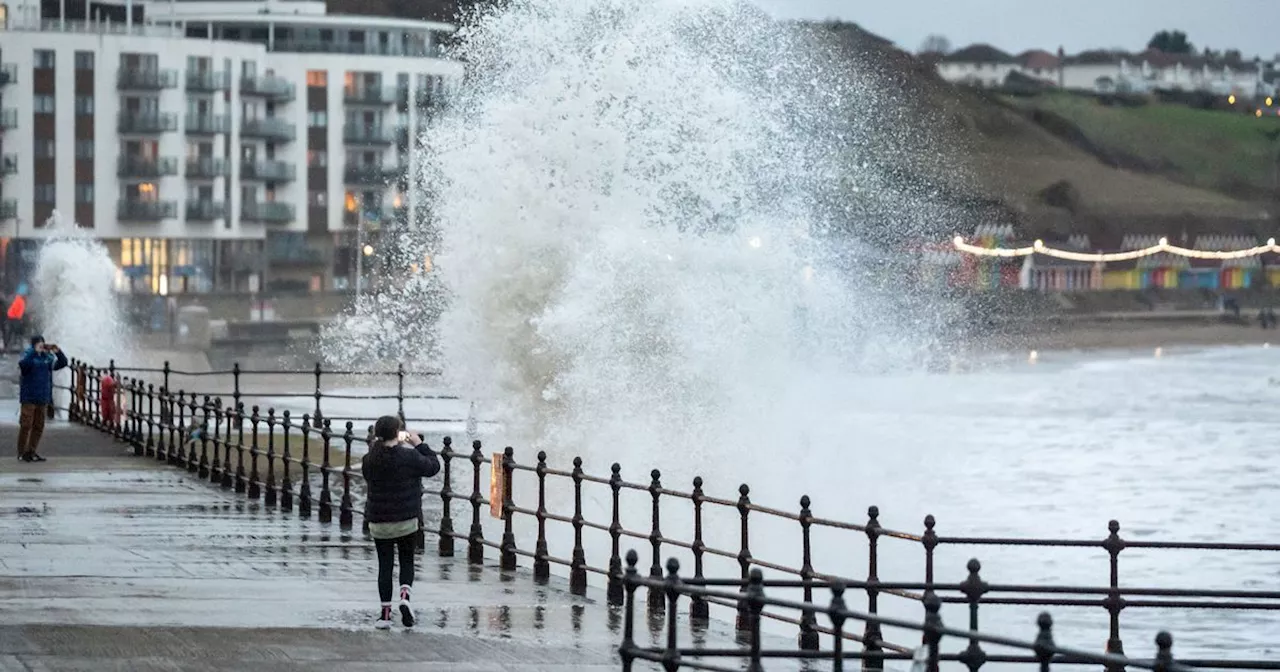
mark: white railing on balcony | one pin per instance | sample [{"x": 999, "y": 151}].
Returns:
[{"x": 31, "y": 24}]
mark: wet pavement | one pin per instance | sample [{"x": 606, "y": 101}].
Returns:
[
  {"x": 110, "y": 562},
  {"x": 114, "y": 562}
]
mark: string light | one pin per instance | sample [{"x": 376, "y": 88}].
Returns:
[{"x": 1039, "y": 247}]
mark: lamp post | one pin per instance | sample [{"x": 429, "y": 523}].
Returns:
[{"x": 359, "y": 247}]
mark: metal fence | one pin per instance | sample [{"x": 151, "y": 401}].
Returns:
[{"x": 159, "y": 423}]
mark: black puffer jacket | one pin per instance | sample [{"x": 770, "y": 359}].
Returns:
[{"x": 394, "y": 475}]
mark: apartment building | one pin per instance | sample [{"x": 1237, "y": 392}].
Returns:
[{"x": 213, "y": 146}]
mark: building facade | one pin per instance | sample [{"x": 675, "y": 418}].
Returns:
[{"x": 213, "y": 146}]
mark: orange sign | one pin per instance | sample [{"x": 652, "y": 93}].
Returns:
[{"x": 497, "y": 486}]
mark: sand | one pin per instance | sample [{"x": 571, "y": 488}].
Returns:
[{"x": 1131, "y": 331}]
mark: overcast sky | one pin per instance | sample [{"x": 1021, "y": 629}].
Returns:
[{"x": 1253, "y": 26}]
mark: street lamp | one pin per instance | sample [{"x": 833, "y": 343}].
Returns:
[{"x": 368, "y": 250}]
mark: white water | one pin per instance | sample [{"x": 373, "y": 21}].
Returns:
[
  {"x": 73, "y": 293},
  {"x": 625, "y": 192}
]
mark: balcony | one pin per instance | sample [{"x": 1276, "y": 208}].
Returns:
[
  {"x": 359, "y": 134},
  {"x": 282, "y": 255},
  {"x": 145, "y": 79},
  {"x": 208, "y": 82},
  {"x": 272, "y": 88},
  {"x": 373, "y": 95},
  {"x": 147, "y": 123},
  {"x": 430, "y": 100},
  {"x": 8, "y": 119},
  {"x": 8, "y": 164},
  {"x": 207, "y": 124},
  {"x": 146, "y": 168},
  {"x": 9, "y": 209},
  {"x": 268, "y": 129},
  {"x": 206, "y": 168},
  {"x": 277, "y": 213},
  {"x": 8, "y": 73},
  {"x": 131, "y": 210},
  {"x": 268, "y": 171},
  {"x": 317, "y": 46},
  {"x": 205, "y": 211},
  {"x": 371, "y": 176}
]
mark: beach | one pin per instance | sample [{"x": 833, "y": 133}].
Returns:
[{"x": 1125, "y": 331}]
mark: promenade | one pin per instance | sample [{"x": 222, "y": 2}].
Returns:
[{"x": 112, "y": 562}]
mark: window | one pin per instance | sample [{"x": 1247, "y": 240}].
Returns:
[
  {"x": 84, "y": 104},
  {"x": 45, "y": 148},
  {"x": 318, "y": 78},
  {"x": 317, "y": 159},
  {"x": 84, "y": 149},
  {"x": 84, "y": 193},
  {"x": 84, "y": 60},
  {"x": 317, "y": 119},
  {"x": 44, "y": 58},
  {"x": 42, "y": 104},
  {"x": 316, "y": 199},
  {"x": 46, "y": 193}
]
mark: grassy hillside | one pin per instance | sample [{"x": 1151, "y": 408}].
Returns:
[{"x": 1229, "y": 152}]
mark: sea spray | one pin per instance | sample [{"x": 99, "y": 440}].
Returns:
[
  {"x": 627, "y": 197},
  {"x": 74, "y": 296}
]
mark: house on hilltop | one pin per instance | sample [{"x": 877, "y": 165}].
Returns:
[{"x": 1107, "y": 71}]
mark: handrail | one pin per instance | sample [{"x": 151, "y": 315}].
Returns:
[{"x": 159, "y": 423}]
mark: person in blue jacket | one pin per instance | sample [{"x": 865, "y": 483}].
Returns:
[{"x": 35, "y": 392}]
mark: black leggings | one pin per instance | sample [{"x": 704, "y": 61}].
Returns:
[{"x": 387, "y": 560}]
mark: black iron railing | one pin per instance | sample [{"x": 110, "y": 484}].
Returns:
[
  {"x": 159, "y": 423},
  {"x": 751, "y": 594}
]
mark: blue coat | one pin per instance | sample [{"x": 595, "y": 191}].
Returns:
[
  {"x": 37, "y": 370},
  {"x": 394, "y": 475}
]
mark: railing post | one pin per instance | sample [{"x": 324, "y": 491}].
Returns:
[
  {"x": 838, "y": 616},
  {"x": 241, "y": 480},
  {"x": 203, "y": 469},
  {"x": 326, "y": 498},
  {"x": 235, "y": 385},
  {"x": 178, "y": 447},
  {"x": 1113, "y": 602},
  {"x": 744, "y": 553},
  {"x": 508, "y": 554},
  {"x": 699, "y": 610},
  {"x": 973, "y": 588},
  {"x": 400, "y": 390},
  {"x": 627, "y": 583},
  {"x": 808, "y": 640},
  {"x": 304, "y": 484},
  {"x": 755, "y": 605},
  {"x": 317, "y": 417},
  {"x": 345, "y": 507},
  {"x": 255, "y": 489},
  {"x": 286, "y": 483},
  {"x": 1164, "y": 652},
  {"x": 135, "y": 422},
  {"x": 166, "y": 370},
  {"x": 1044, "y": 646},
  {"x": 218, "y": 472},
  {"x": 930, "y": 541},
  {"x": 671, "y": 594},
  {"x": 228, "y": 470},
  {"x": 541, "y": 566},
  {"x": 269, "y": 496},
  {"x": 932, "y": 629},
  {"x": 614, "y": 590},
  {"x": 151, "y": 420},
  {"x": 578, "y": 561},
  {"x": 656, "y": 600},
  {"x": 445, "y": 548},
  {"x": 872, "y": 635},
  {"x": 475, "y": 540}
]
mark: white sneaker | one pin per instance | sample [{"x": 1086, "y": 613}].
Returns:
[
  {"x": 406, "y": 610},
  {"x": 384, "y": 621}
]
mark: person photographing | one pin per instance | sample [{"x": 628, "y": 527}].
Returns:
[
  {"x": 393, "y": 470},
  {"x": 35, "y": 393}
]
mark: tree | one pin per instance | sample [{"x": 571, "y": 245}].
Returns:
[
  {"x": 935, "y": 44},
  {"x": 1171, "y": 42}
]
